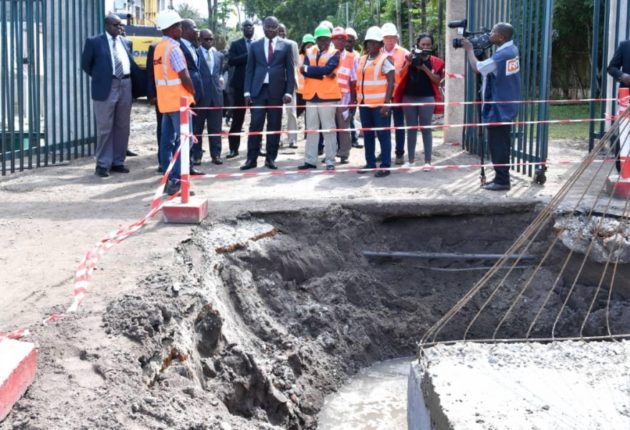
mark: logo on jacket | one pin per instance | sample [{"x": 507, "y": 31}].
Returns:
[{"x": 512, "y": 66}]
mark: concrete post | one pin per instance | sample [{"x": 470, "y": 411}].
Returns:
[{"x": 455, "y": 63}]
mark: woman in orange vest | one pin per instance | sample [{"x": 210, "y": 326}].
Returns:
[
  {"x": 420, "y": 84},
  {"x": 307, "y": 41},
  {"x": 375, "y": 86}
]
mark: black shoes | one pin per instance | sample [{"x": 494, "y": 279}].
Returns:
[
  {"x": 217, "y": 161},
  {"x": 493, "y": 186},
  {"x": 292, "y": 145},
  {"x": 262, "y": 154},
  {"x": 196, "y": 161},
  {"x": 356, "y": 144},
  {"x": 306, "y": 166},
  {"x": 271, "y": 164},
  {"x": 232, "y": 154},
  {"x": 131, "y": 154},
  {"x": 343, "y": 160},
  {"x": 330, "y": 168},
  {"x": 382, "y": 173},
  {"x": 196, "y": 172},
  {"x": 249, "y": 164},
  {"x": 101, "y": 172},
  {"x": 119, "y": 169}
]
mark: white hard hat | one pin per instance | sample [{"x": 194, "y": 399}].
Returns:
[
  {"x": 350, "y": 32},
  {"x": 167, "y": 18},
  {"x": 374, "y": 33},
  {"x": 389, "y": 29}
]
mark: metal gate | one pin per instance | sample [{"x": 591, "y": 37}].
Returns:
[
  {"x": 45, "y": 108},
  {"x": 610, "y": 27},
  {"x": 532, "y": 21}
]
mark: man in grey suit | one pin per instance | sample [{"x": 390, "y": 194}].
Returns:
[
  {"x": 290, "y": 109},
  {"x": 107, "y": 59},
  {"x": 269, "y": 82},
  {"x": 210, "y": 69}
]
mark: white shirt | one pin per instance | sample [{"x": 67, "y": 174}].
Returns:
[
  {"x": 274, "y": 42},
  {"x": 122, "y": 54},
  {"x": 208, "y": 53}
]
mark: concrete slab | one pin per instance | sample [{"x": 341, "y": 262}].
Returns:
[
  {"x": 18, "y": 364},
  {"x": 618, "y": 186},
  {"x": 192, "y": 212},
  {"x": 560, "y": 385}
]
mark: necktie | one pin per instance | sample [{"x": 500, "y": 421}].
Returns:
[
  {"x": 270, "y": 55},
  {"x": 118, "y": 67},
  {"x": 248, "y": 43}
]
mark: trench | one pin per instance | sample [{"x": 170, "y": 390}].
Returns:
[{"x": 274, "y": 311}]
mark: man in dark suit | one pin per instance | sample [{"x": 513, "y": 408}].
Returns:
[
  {"x": 210, "y": 68},
  {"x": 107, "y": 59},
  {"x": 237, "y": 58},
  {"x": 152, "y": 97},
  {"x": 188, "y": 42},
  {"x": 269, "y": 83},
  {"x": 619, "y": 66}
]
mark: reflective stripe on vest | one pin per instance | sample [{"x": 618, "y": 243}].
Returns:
[
  {"x": 168, "y": 85},
  {"x": 345, "y": 71},
  {"x": 398, "y": 56},
  {"x": 326, "y": 88},
  {"x": 371, "y": 91}
]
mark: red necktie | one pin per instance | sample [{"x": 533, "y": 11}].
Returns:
[{"x": 270, "y": 56}]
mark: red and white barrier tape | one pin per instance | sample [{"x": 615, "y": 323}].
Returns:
[
  {"x": 415, "y": 127},
  {"x": 249, "y": 174},
  {"x": 452, "y": 103}
]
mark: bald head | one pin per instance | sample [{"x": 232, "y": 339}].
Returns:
[
  {"x": 189, "y": 31},
  {"x": 505, "y": 30}
]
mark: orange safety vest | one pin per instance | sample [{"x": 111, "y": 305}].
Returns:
[
  {"x": 326, "y": 88},
  {"x": 300, "y": 76},
  {"x": 167, "y": 82},
  {"x": 399, "y": 56},
  {"x": 344, "y": 72},
  {"x": 371, "y": 82}
]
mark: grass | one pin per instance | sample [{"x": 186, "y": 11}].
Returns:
[{"x": 569, "y": 131}]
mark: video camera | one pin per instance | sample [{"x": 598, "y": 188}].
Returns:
[
  {"x": 418, "y": 54},
  {"x": 480, "y": 40}
]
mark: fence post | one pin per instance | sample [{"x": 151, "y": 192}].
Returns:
[{"x": 184, "y": 139}]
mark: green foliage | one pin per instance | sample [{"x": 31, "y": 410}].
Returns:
[{"x": 188, "y": 12}]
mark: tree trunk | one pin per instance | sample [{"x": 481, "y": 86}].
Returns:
[
  {"x": 423, "y": 16},
  {"x": 210, "y": 15},
  {"x": 398, "y": 19},
  {"x": 410, "y": 22}
]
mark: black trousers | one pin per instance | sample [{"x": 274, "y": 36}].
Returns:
[
  {"x": 499, "y": 144},
  {"x": 273, "y": 117},
  {"x": 212, "y": 119},
  {"x": 158, "y": 117},
  {"x": 238, "y": 117}
]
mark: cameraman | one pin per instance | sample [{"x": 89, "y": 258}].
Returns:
[
  {"x": 501, "y": 83},
  {"x": 420, "y": 84}
]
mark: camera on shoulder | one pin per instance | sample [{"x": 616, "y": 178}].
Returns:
[{"x": 480, "y": 40}]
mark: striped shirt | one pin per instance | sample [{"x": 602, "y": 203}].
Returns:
[{"x": 178, "y": 61}]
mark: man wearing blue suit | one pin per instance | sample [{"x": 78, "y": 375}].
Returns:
[
  {"x": 210, "y": 68},
  {"x": 107, "y": 59},
  {"x": 188, "y": 43},
  {"x": 269, "y": 81}
]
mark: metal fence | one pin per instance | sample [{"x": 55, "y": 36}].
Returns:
[
  {"x": 610, "y": 26},
  {"x": 532, "y": 21},
  {"x": 45, "y": 109}
]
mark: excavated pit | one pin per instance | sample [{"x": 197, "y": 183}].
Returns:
[{"x": 262, "y": 316}]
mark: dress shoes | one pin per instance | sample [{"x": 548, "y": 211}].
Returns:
[
  {"x": 196, "y": 172},
  {"x": 101, "y": 172},
  {"x": 330, "y": 168},
  {"x": 196, "y": 161},
  {"x": 249, "y": 164},
  {"x": 365, "y": 169},
  {"x": 119, "y": 169},
  {"x": 382, "y": 173},
  {"x": 232, "y": 154},
  {"x": 356, "y": 144},
  {"x": 130, "y": 154},
  {"x": 271, "y": 164},
  {"x": 493, "y": 186},
  {"x": 217, "y": 161},
  {"x": 306, "y": 166},
  {"x": 292, "y": 145},
  {"x": 343, "y": 160},
  {"x": 262, "y": 154}
]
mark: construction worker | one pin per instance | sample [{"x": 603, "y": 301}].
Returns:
[
  {"x": 347, "y": 80},
  {"x": 399, "y": 55},
  {"x": 350, "y": 47},
  {"x": 375, "y": 86},
  {"x": 307, "y": 41},
  {"x": 322, "y": 93},
  {"x": 172, "y": 81}
]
